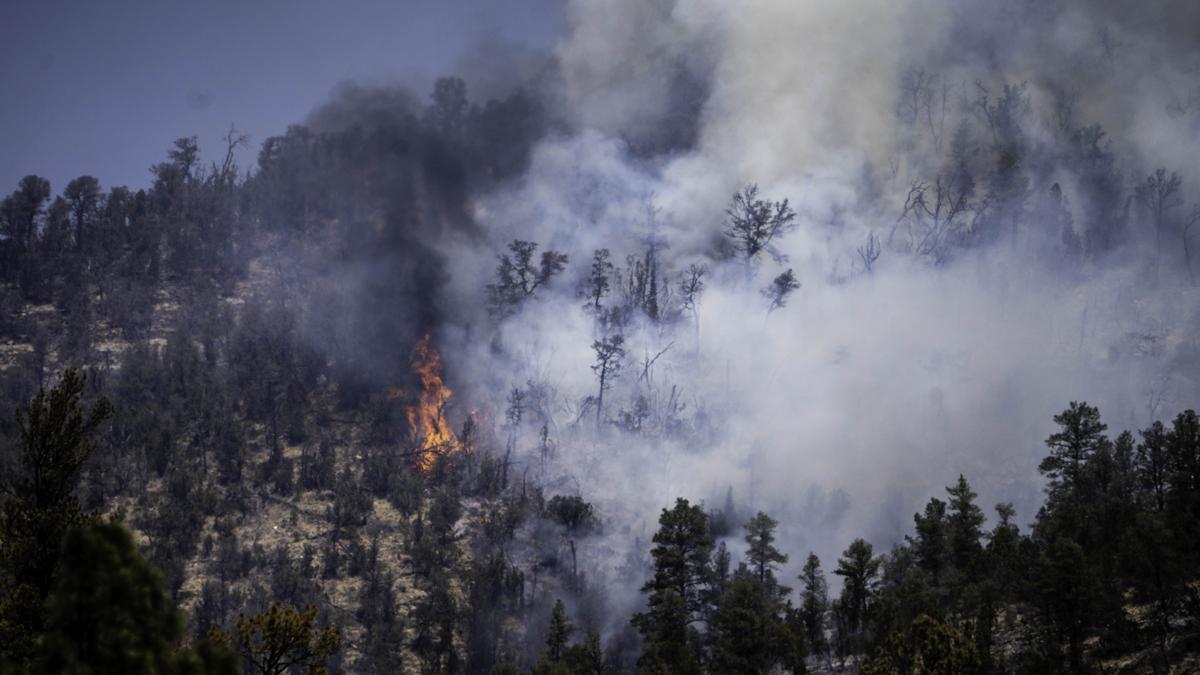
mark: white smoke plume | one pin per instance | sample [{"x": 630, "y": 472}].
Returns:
[{"x": 841, "y": 413}]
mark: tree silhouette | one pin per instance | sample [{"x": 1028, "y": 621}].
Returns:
[
  {"x": 41, "y": 506},
  {"x": 280, "y": 639},
  {"x": 754, "y": 224}
]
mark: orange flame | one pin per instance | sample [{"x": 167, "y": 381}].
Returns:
[{"x": 427, "y": 418}]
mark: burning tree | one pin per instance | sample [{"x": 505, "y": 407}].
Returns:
[{"x": 427, "y": 417}]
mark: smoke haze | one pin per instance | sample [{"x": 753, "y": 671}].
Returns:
[
  {"x": 870, "y": 390},
  {"x": 987, "y": 226}
]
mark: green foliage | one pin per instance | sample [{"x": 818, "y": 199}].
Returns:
[
  {"x": 433, "y": 545},
  {"x": 496, "y": 591},
  {"x": 682, "y": 552},
  {"x": 351, "y": 504},
  {"x": 930, "y": 546},
  {"x": 571, "y": 511},
  {"x": 748, "y": 632},
  {"x": 859, "y": 569},
  {"x": 677, "y": 595},
  {"x": 928, "y": 647},
  {"x": 1080, "y": 436},
  {"x": 582, "y": 658},
  {"x": 587, "y": 657},
  {"x": 108, "y": 613},
  {"x": 41, "y": 507},
  {"x": 506, "y": 668},
  {"x": 518, "y": 277},
  {"x": 280, "y": 639},
  {"x": 238, "y": 381},
  {"x": 761, "y": 553},
  {"x": 814, "y": 605},
  {"x": 436, "y": 617},
  {"x": 964, "y": 523},
  {"x": 559, "y": 632},
  {"x": 669, "y": 643}
]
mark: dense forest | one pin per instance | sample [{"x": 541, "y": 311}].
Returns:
[{"x": 538, "y": 385}]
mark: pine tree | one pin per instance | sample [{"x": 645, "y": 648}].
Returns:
[
  {"x": 780, "y": 288},
  {"x": 109, "y": 613},
  {"x": 814, "y": 605},
  {"x": 559, "y": 632},
  {"x": 41, "y": 507},
  {"x": 930, "y": 546},
  {"x": 1151, "y": 466},
  {"x": 762, "y": 554},
  {"x": 1065, "y": 590},
  {"x": 964, "y": 521},
  {"x": 928, "y": 647},
  {"x": 587, "y": 657},
  {"x": 280, "y": 639},
  {"x": 1001, "y": 564},
  {"x": 518, "y": 276},
  {"x": 754, "y": 225},
  {"x": 1081, "y": 434},
  {"x": 1184, "y": 505},
  {"x": 610, "y": 352},
  {"x": 748, "y": 634},
  {"x": 598, "y": 283},
  {"x": 682, "y": 551},
  {"x": 677, "y": 593},
  {"x": 436, "y": 617},
  {"x": 859, "y": 569}
]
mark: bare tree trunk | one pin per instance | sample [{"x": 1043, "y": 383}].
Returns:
[{"x": 600, "y": 399}]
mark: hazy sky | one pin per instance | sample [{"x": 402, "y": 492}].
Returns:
[{"x": 103, "y": 88}]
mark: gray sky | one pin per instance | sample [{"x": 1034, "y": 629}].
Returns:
[{"x": 103, "y": 88}]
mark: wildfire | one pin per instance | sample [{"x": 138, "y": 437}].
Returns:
[{"x": 427, "y": 417}]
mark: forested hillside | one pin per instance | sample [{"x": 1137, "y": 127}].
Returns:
[{"x": 628, "y": 370}]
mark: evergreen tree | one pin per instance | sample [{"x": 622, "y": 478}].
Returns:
[
  {"x": 518, "y": 276},
  {"x": 682, "y": 554},
  {"x": 1183, "y": 507},
  {"x": 1001, "y": 565},
  {"x": 780, "y": 288},
  {"x": 597, "y": 285},
  {"x": 1151, "y": 466},
  {"x": 859, "y": 569},
  {"x": 436, "y": 617},
  {"x": 755, "y": 224},
  {"x": 930, "y": 546},
  {"x": 720, "y": 575},
  {"x": 928, "y": 647},
  {"x": 677, "y": 592},
  {"x": 762, "y": 554},
  {"x": 559, "y": 632},
  {"x": 587, "y": 657},
  {"x": 748, "y": 634},
  {"x": 964, "y": 522},
  {"x": 814, "y": 605},
  {"x": 281, "y": 639},
  {"x": 41, "y": 507},
  {"x": 1072, "y": 581},
  {"x": 1065, "y": 591},
  {"x": 1080, "y": 436},
  {"x": 108, "y": 613}
]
